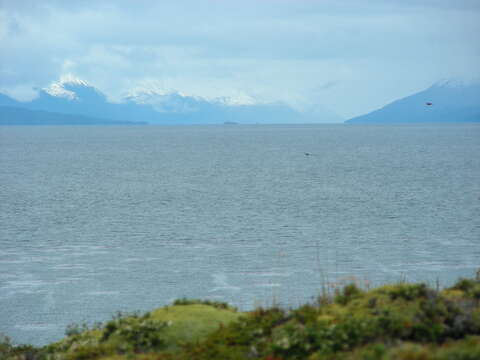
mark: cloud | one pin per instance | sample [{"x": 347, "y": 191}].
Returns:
[{"x": 273, "y": 50}]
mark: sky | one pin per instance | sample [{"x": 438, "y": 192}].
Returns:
[{"x": 350, "y": 57}]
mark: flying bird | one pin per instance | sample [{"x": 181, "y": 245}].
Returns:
[{"x": 428, "y": 103}]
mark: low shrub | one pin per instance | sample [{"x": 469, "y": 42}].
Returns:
[
  {"x": 348, "y": 293},
  {"x": 134, "y": 334},
  {"x": 392, "y": 322},
  {"x": 215, "y": 304}
]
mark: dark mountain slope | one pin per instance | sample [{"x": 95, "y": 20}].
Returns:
[
  {"x": 18, "y": 116},
  {"x": 449, "y": 103}
]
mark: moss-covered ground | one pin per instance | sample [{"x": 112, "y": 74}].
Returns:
[{"x": 400, "y": 321}]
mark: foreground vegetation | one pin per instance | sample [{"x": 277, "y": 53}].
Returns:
[{"x": 401, "y": 321}]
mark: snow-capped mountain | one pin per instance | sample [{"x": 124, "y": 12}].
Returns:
[
  {"x": 71, "y": 95},
  {"x": 67, "y": 88},
  {"x": 168, "y": 102},
  {"x": 176, "y": 101},
  {"x": 71, "y": 90},
  {"x": 446, "y": 101},
  {"x": 243, "y": 109}
]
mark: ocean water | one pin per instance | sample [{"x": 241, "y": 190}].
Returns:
[{"x": 99, "y": 219}]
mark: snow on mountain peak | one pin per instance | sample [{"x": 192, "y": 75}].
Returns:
[
  {"x": 69, "y": 79},
  {"x": 166, "y": 100},
  {"x": 236, "y": 100},
  {"x": 146, "y": 94},
  {"x": 67, "y": 87},
  {"x": 155, "y": 95},
  {"x": 57, "y": 90}
]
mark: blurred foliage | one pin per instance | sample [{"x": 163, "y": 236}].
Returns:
[
  {"x": 215, "y": 304},
  {"x": 398, "y": 321}
]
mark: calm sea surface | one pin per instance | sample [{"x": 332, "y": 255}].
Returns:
[{"x": 99, "y": 219}]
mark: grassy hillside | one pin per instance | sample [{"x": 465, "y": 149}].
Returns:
[{"x": 400, "y": 321}]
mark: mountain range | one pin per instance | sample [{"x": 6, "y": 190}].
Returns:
[
  {"x": 73, "y": 96},
  {"x": 74, "y": 101},
  {"x": 442, "y": 102}
]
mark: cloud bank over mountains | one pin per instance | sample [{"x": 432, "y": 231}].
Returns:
[
  {"x": 74, "y": 96},
  {"x": 344, "y": 55}
]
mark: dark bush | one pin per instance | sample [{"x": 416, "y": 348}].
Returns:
[
  {"x": 215, "y": 304},
  {"x": 408, "y": 292},
  {"x": 465, "y": 284},
  {"x": 134, "y": 333},
  {"x": 347, "y": 294}
]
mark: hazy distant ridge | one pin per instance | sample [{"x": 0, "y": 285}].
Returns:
[
  {"x": 17, "y": 116},
  {"x": 76, "y": 97},
  {"x": 450, "y": 102}
]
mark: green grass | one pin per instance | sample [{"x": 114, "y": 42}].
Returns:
[
  {"x": 391, "y": 322},
  {"x": 192, "y": 323}
]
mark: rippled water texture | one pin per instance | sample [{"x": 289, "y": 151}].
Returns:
[{"x": 100, "y": 219}]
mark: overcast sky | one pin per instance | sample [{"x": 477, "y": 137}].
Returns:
[{"x": 348, "y": 56}]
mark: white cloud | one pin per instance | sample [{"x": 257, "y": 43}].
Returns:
[{"x": 269, "y": 50}]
